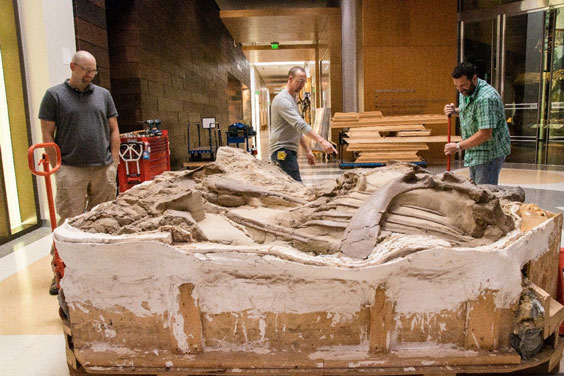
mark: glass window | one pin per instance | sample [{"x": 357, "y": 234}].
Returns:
[{"x": 478, "y": 47}]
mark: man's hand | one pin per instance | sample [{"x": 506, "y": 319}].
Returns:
[
  {"x": 450, "y": 109},
  {"x": 310, "y": 158},
  {"x": 328, "y": 147},
  {"x": 450, "y": 148}
]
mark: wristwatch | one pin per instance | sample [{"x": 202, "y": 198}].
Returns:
[{"x": 458, "y": 146}]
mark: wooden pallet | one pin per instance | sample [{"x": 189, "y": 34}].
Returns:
[{"x": 546, "y": 361}]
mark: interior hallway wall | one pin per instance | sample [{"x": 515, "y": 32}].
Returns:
[
  {"x": 330, "y": 64},
  {"x": 48, "y": 43},
  {"x": 410, "y": 48},
  {"x": 171, "y": 60}
]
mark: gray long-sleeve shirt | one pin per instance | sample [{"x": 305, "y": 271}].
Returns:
[{"x": 286, "y": 126}]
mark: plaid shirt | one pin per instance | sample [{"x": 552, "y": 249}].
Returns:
[{"x": 484, "y": 110}]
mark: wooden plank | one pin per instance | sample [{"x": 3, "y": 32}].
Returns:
[
  {"x": 386, "y": 160},
  {"x": 370, "y": 114},
  {"x": 426, "y": 132},
  {"x": 71, "y": 358},
  {"x": 387, "y": 128},
  {"x": 390, "y": 140},
  {"x": 370, "y": 134},
  {"x": 554, "y": 318},
  {"x": 66, "y": 328},
  {"x": 392, "y": 120},
  {"x": 388, "y": 154},
  {"x": 192, "y": 321},
  {"x": 381, "y": 320},
  {"x": 482, "y": 323},
  {"x": 543, "y": 271},
  {"x": 384, "y": 147},
  {"x": 481, "y": 362},
  {"x": 542, "y": 296},
  {"x": 376, "y": 157},
  {"x": 553, "y": 311}
]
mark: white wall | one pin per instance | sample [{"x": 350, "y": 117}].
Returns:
[{"x": 48, "y": 42}]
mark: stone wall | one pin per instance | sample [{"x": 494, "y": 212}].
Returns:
[
  {"x": 91, "y": 35},
  {"x": 171, "y": 60},
  {"x": 409, "y": 50},
  {"x": 235, "y": 100},
  {"x": 166, "y": 59}
]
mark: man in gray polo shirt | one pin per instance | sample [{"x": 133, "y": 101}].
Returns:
[
  {"x": 81, "y": 118},
  {"x": 288, "y": 129}
]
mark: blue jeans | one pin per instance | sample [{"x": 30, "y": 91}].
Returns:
[
  {"x": 289, "y": 165},
  {"x": 487, "y": 173}
]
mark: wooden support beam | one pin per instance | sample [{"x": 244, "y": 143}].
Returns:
[
  {"x": 192, "y": 321},
  {"x": 482, "y": 323},
  {"x": 381, "y": 321},
  {"x": 553, "y": 311}
]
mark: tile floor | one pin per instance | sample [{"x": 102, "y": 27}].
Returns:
[{"x": 31, "y": 339}]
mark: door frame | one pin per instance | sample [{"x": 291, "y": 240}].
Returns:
[{"x": 499, "y": 14}]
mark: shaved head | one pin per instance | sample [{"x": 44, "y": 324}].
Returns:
[
  {"x": 82, "y": 57},
  {"x": 83, "y": 69},
  {"x": 292, "y": 72}
]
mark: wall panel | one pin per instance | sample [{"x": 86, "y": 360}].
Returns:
[{"x": 409, "y": 49}]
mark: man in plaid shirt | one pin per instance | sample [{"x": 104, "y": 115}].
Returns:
[{"x": 484, "y": 130}]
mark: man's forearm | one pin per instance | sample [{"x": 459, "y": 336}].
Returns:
[
  {"x": 114, "y": 138},
  {"x": 314, "y": 136},
  {"x": 115, "y": 147},
  {"x": 476, "y": 139},
  {"x": 48, "y": 135},
  {"x": 51, "y": 152},
  {"x": 304, "y": 144},
  {"x": 325, "y": 145}
]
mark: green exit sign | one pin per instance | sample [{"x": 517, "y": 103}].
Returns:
[{"x": 274, "y": 45}]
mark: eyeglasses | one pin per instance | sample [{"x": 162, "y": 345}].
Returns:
[
  {"x": 302, "y": 81},
  {"x": 86, "y": 70}
]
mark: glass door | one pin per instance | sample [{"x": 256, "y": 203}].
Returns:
[
  {"x": 523, "y": 45},
  {"x": 553, "y": 146},
  {"x": 479, "y": 47}
]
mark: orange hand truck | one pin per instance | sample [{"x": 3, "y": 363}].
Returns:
[{"x": 58, "y": 264}]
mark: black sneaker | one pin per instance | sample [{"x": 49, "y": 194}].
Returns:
[{"x": 54, "y": 290}]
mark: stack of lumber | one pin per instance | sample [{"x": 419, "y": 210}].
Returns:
[{"x": 379, "y": 139}]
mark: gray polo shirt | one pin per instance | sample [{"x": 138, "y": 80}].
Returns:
[
  {"x": 82, "y": 131},
  {"x": 287, "y": 126}
]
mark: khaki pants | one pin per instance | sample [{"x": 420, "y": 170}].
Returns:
[{"x": 82, "y": 188}]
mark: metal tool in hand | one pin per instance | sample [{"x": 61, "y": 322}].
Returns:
[{"x": 448, "y": 140}]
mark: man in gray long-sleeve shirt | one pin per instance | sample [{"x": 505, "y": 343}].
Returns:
[{"x": 287, "y": 128}]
